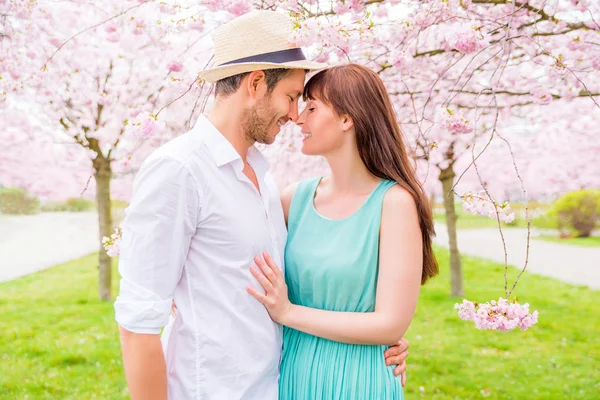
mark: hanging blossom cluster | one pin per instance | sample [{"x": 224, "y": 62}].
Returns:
[
  {"x": 480, "y": 204},
  {"x": 112, "y": 244},
  {"x": 501, "y": 315}
]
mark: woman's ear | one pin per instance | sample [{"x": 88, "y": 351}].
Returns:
[{"x": 347, "y": 123}]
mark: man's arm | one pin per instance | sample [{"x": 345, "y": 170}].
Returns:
[
  {"x": 157, "y": 231},
  {"x": 144, "y": 364}
]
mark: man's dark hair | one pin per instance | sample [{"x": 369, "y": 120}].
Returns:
[{"x": 228, "y": 86}]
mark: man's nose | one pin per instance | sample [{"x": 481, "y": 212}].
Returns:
[{"x": 293, "y": 114}]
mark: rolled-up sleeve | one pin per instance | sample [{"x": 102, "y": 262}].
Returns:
[{"x": 157, "y": 231}]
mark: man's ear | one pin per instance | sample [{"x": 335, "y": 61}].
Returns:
[{"x": 256, "y": 84}]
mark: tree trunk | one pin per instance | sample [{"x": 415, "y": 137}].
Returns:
[
  {"x": 103, "y": 175},
  {"x": 447, "y": 178}
]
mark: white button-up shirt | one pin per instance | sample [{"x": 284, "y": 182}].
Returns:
[{"x": 193, "y": 227}]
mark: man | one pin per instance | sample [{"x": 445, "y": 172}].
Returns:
[{"x": 203, "y": 206}]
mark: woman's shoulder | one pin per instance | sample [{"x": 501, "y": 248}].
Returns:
[
  {"x": 398, "y": 196},
  {"x": 399, "y": 206},
  {"x": 290, "y": 191}
]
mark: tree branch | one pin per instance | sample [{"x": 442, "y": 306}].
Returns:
[
  {"x": 582, "y": 93},
  {"x": 542, "y": 14},
  {"x": 331, "y": 12},
  {"x": 88, "y": 29}
]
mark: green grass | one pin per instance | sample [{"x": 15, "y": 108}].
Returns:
[
  {"x": 559, "y": 358},
  {"x": 58, "y": 342},
  {"x": 593, "y": 241}
]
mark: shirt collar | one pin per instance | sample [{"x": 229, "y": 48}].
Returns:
[{"x": 223, "y": 151}]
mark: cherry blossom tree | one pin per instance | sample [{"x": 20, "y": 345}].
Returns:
[
  {"x": 89, "y": 75},
  {"x": 28, "y": 156},
  {"x": 463, "y": 75}
]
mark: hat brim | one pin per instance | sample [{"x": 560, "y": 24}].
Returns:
[{"x": 214, "y": 74}]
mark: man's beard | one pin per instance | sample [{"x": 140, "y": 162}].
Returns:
[{"x": 257, "y": 122}]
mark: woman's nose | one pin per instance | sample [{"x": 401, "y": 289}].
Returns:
[{"x": 300, "y": 120}]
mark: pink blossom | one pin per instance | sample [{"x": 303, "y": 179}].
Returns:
[
  {"x": 466, "y": 311},
  {"x": 465, "y": 40},
  {"x": 341, "y": 7},
  {"x": 291, "y": 5},
  {"x": 591, "y": 24},
  {"x": 167, "y": 9},
  {"x": 542, "y": 96},
  {"x": 238, "y": 7},
  {"x": 481, "y": 204},
  {"x": 574, "y": 44},
  {"x": 423, "y": 19},
  {"x": 112, "y": 244},
  {"x": 113, "y": 37},
  {"x": 105, "y": 99},
  {"x": 145, "y": 125},
  {"x": 139, "y": 27},
  {"x": 56, "y": 42},
  {"x": 8, "y": 31},
  {"x": 455, "y": 123},
  {"x": 175, "y": 66},
  {"x": 110, "y": 27},
  {"x": 134, "y": 112},
  {"x": 14, "y": 74},
  {"x": 466, "y": 44},
  {"x": 197, "y": 25},
  {"x": 329, "y": 33},
  {"x": 348, "y": 6},
  {"x": 322, "y": 57},
  {"x": 501, "y": 315},
  {"x": 402, "y": 61}
]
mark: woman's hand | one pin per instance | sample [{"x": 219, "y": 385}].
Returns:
[{"x": 275, "y": 299}]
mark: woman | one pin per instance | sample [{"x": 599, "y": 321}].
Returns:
[{"x": 358, "y": 249}]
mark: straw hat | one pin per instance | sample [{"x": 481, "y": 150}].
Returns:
[{"x": 256, "y": 40}]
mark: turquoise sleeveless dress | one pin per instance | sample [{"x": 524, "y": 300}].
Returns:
[{"x": 332, "y": 265}]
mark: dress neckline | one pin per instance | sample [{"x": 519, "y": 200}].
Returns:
[{"x": 314, "y": 193}]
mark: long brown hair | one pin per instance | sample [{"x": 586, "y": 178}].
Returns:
[{"x": 358, "y": 92}]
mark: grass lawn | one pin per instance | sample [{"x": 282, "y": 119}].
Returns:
[
  {"x": 58, "y": 342},
  {"x": 593, "y": 241}
]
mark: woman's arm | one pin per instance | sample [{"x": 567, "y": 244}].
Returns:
[{"x": 398, "y": 285}]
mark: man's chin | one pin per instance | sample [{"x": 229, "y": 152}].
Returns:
[{"x": 267, "y": 141}]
